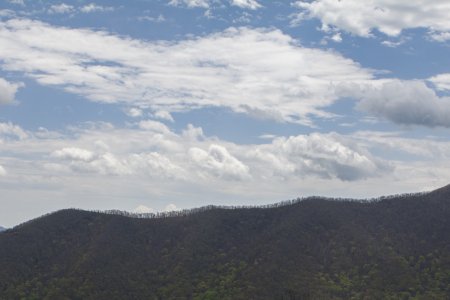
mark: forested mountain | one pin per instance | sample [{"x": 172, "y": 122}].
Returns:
[
  {"x": 2, "y": 229},
  {"x": 316, "y": 248}
]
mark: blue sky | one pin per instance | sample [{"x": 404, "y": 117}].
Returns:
[{"x": 172, "y": 104}]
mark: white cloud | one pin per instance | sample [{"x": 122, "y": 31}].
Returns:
[
  {"x": 441, "y": 81},
  {"x": 158, "y": 19},
  {"x": 8, "y": 91},
  {"x": 256, "y": 71},
  {"x": 61, "y": 8},
  {"x": 392, "y": 44},
  {"x": 219, "y": 162},
  {"x": 134, "y": 112},
  {"x": 404, "y": 102},
  {"x": 193, "y": 133},
  {"x": 64, "y": 8},
  {"x": 387, "y": 16},
  {"x": 440, "y": 36},
  {"x": 155, "y": 165},
  {"x": 336, "y": 37},
  {"x": 82, "y": 160},
  {"x": 171, "y": 207},
  {"x": 250, "y": 4},
  {"x": 190, "y": 3},
  {"x": 192, "y": 157},
  {"x": 92, "y": 7},
  {"x": 246, "y": 4},
  {"x": 142, "y": 209},
  {"x": 163, "y": 115},
  {"x": 325, "y": 156},
  {"x": 9, "y": 130},
  {"x": 75, "y": 154},
  {"x": 154, "y": 126}
]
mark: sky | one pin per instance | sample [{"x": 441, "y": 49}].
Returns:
[{"x": 159, "y": 105}]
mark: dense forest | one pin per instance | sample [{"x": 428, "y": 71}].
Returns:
[{"x": 316, "y": 248}]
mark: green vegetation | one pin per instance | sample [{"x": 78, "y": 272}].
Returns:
[{"x": 391, "y": 248}]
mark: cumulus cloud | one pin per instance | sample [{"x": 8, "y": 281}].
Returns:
[
  {"x": 8, "y": 91},
  {"x": 387, "y": 16},
  {"x": 191, "y": 156},
  {"x": 405, "y": 102},
  {"x": 250, "y": 4},
  {"x": 151, "y": 164},
  {"x": 262, "y": 72},
  {"x": 193, "y": 133},
  {"x": 322, "y": 155},
  {"x": 105, "y": 163},
  {"x": 219, "y": 162}
]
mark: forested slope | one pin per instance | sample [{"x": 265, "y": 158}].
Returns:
[{"x": 392, "y": 248}]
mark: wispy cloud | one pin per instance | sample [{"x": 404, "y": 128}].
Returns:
[
  {"x": 92, "y": 7},
  {"x": 18, "y": 2},
  {"x": 250, "y": 4},
  {"x": 63, "y": 8},
  {"x": 190, "y": 3}
]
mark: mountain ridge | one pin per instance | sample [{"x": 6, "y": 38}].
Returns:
[{"x": 316, "y": 248}]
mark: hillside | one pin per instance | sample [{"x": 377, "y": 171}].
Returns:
[
  {"x": 2, "y": 229},
  {"x": 317, "y": 248}
]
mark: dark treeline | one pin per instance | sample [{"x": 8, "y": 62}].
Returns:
[
  {"x": 395, "y": 247},
  {"x": 192, "y": 211}
]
